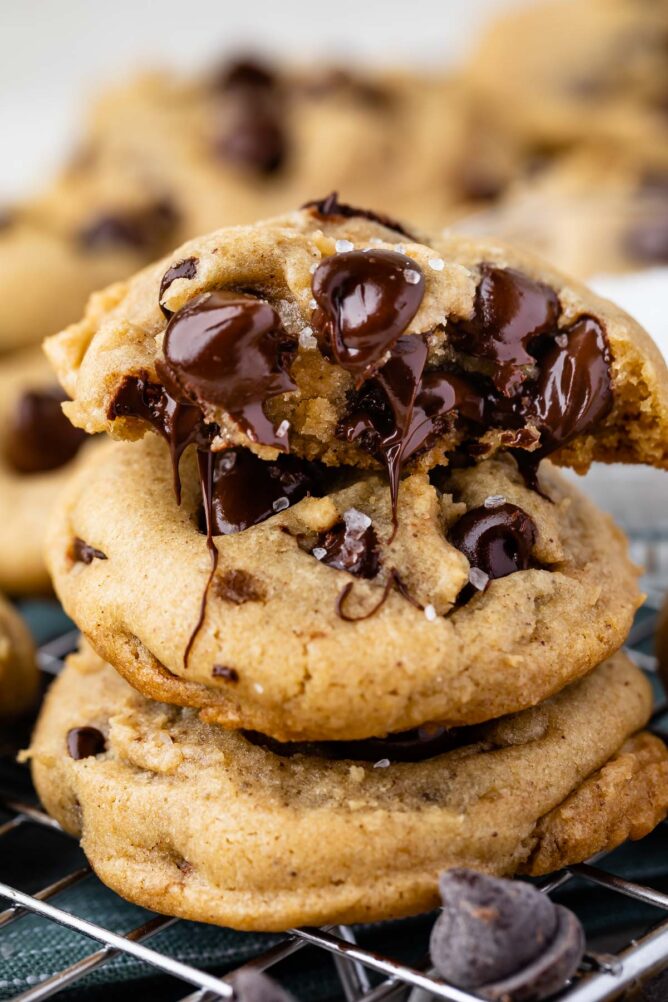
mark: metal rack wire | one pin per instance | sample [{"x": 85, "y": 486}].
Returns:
[{"x": 601, "y": 978}]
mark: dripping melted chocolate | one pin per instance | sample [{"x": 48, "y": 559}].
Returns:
[{"x": 230, "y": 351}]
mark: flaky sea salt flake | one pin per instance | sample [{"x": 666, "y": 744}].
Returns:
[
  {"x": 382, "y": 763},
  {"x": 436, "y": 263},
  {"x": 343, "y": 246},
  {"x": 478, "y": 578},
  {"x": 280, "y": 504},
  {"x": 430, "y": 613},
  {"x": 494, "y": 501}
]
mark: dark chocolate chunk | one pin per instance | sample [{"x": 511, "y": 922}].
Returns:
[
  {"x": 84, "y": 742},
  {"x": 255, "y": 986},
  {"x": 38, "y": 436},
  {"x": 496, "y": 540},
  {"x": 182, "y": 269},
  {"x": 84, "y": 553},
  {"x": 511, "y": 312},
  {"x": 224, "y": 671},
  {"x": 415, "y": 745},
  {"x": 254, "y": 137},
  {"x": 503, "y": 939},
  {"x": 180, "y": 423},
  {"x": 230, "y": 351},
  {"x": 330, "y": 208},
  {"x": 246, "y": 490},
  {"x": 366, "y": 301},
  {"x": 139, "y": 229},
  {"x": 351, "y": 545}
]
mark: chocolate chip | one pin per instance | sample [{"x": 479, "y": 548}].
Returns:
[
  {"x": 245, "y": 73},
  {"x": 647, "y": 241},
  {"x": 84, "y": 553},
  {"x": 38, "y": 436},
  {"x": 503, "y": 939},
  {"x": 511, "y": 312},
  {"x": 366, "y": 301},
  {"x": 182, "y": 269},
  {"x": 495, "y": 540},
  {"x": 254, "y": 986},
  {"x": 254, "y": 137},
  {"x": 330, "y": 208},
  {"x": 246, "y": 490},
  {"x": 351, "y": 545},
  {"x": 238, "y": 586},
  {"x": 85, "y": 742},
  {"x": 230, "y": 351},
  {"x": 139, "y": 229},
  {"x": 224, "y": 671}
]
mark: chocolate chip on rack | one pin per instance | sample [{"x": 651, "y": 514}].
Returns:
[
  {"x": 330, "y": 208},
  {"x": 366, "y": 300},
  {"x": 230, "y": 351},
  {"x": 84, "y": 742},
  {"x": 140, "y": 229},
  {"x": 503, "y": 939},
  {"x": 496, "y": 539},
  {"x": 351, "y": 545},
  {"x": 246, "y": 490},
  {"x": 38, "y": 436},
  {"x": 182, "y": 269},
  {"x": 83, "y": 553},
  {"x": 511, "y": 311}
]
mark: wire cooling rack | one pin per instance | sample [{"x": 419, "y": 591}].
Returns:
[{"x": 363, "y": 975}]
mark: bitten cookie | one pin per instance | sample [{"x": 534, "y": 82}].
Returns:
[
  {"x": 322, "y": 619},
  {"x": 343, "y": 339},
  {"x": 193, "y": 820},
  {"x": 39, "y": 449},
  {"x": 19, "y": 676}
]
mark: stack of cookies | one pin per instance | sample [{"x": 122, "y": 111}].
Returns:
[{"x": 345, "y": 624}]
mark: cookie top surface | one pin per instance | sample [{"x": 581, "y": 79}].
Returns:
[
  {"x": 19, "y": 676},
  {"x": 319, "y": 622},
  {"x": 39, "y": 449},
  {"x": 307, "y": 839},
  {"x": 341, "y": 339}
]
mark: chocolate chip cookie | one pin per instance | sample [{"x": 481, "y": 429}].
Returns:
[
  {"x": 19, "y": 677},
  {"x": 190, "y": 819},
  {"x": 39, "y": 449},
  {"x": 306, "y": 612},
  {"x": 340, "y": 337}
]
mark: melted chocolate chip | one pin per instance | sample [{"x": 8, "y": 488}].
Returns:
[
  {"x": 393, "y": 581},
  {"x": 330, "y": 208},
  {"x": 366, "y": 301},
  {"x": 182, "y": 269},
  {"x": 402, "y": 409},
  {"x": 511, "y": 312},
  {"x": 574, "y": 389},
  {"x": 180, "y": 424},
  {"x": 351, "y": 545},
  {"x": 39, "y": 437},
  {"x": 246, "y": 490},
  {"x": 83, "y": 553},
  {"x": 140, "y": 229},
  {"x": 497, "y": 541},
  {"x": 85, "y": 742},
  {"x": 526, "y": 947},
  {"x": 224, "y": 671},
  {"x": 230, "y": 351},
  {"x": 415, "y": 745}
]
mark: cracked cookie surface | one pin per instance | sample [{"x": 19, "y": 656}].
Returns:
[
  {"x": 193, "y": 820},
  {"x": 274, "y": 654}
]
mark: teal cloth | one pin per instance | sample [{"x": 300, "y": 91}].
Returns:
[{"x": 32, "y": 949}]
